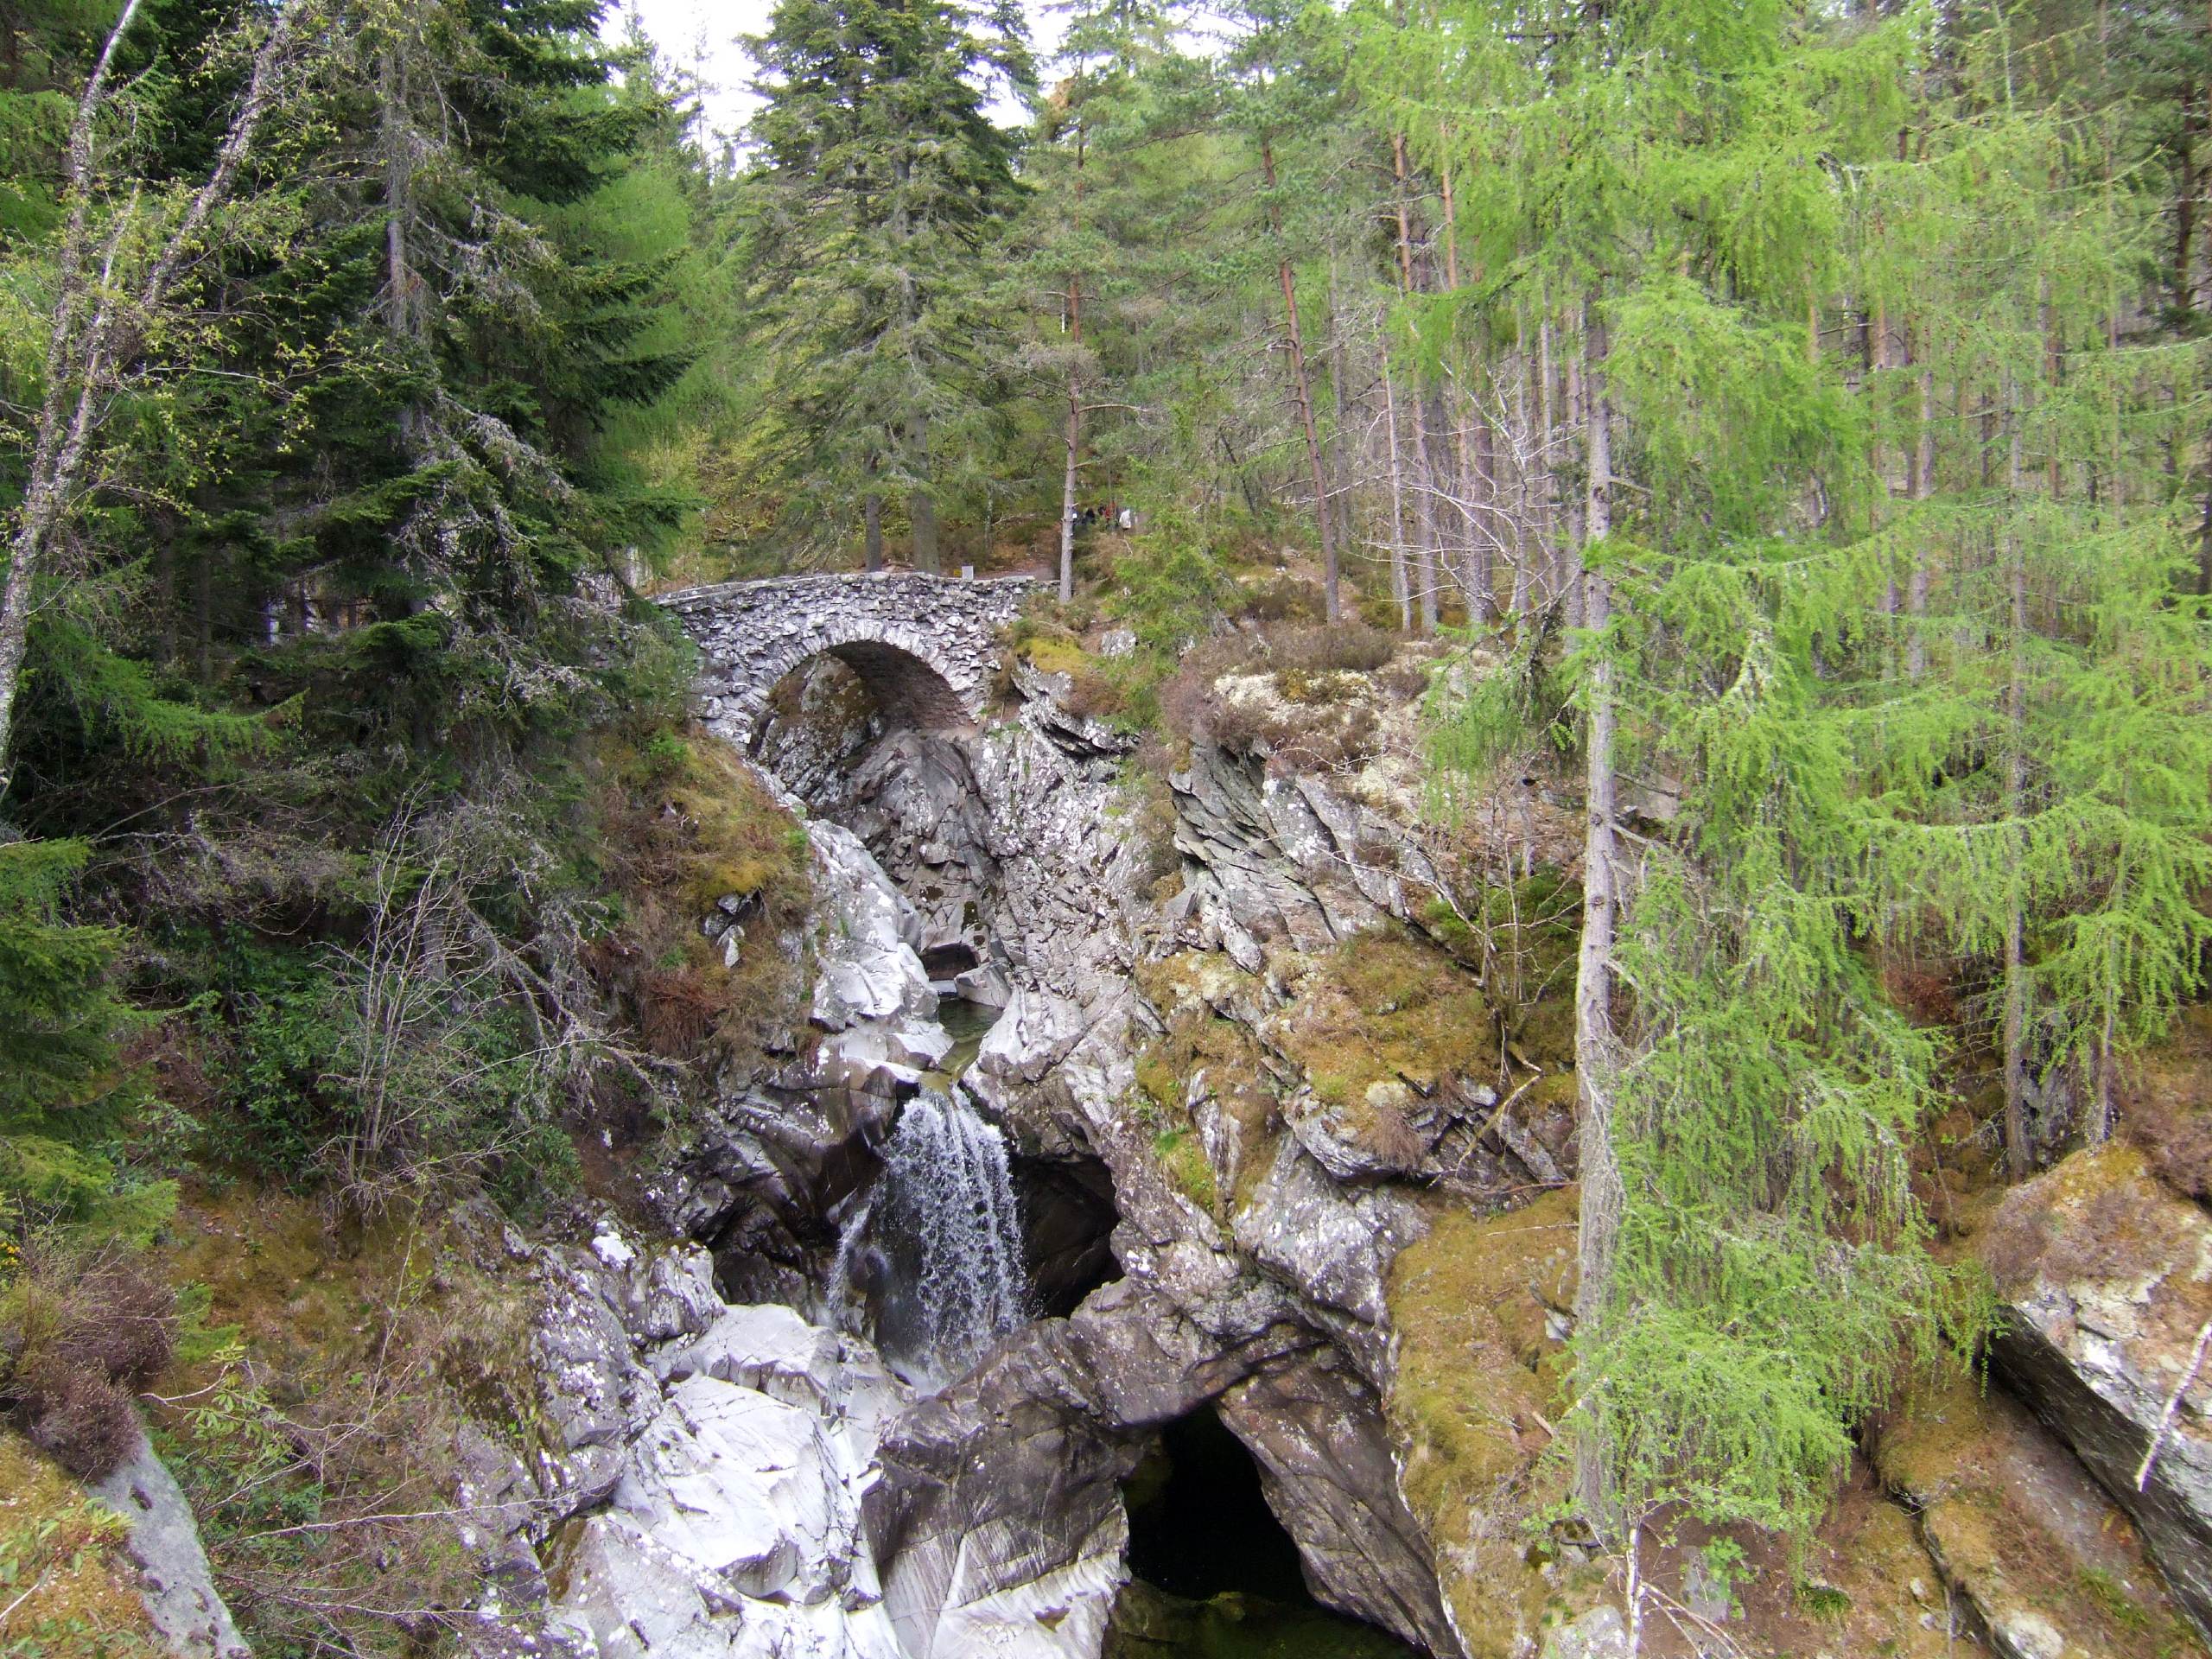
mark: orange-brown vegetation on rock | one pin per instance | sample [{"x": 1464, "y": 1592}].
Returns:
[
  {"x": 2102, "y": 1221},
  {"x": 79, "y": 1330},
  {"x": 689, "y": 829},
  {"x": 2165, "y": 1103}
]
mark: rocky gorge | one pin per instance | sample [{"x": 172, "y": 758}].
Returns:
[
  {"x": 1268, "y": 1211},
  {"x": 1148, "y": 1231}
]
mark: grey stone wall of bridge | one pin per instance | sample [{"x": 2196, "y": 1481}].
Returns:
[{"x": 926, "y": 647}]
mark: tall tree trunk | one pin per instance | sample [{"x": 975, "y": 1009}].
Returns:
[
  {"x": 1578, "y": 414},
  {"x": 1073, "y": 436},
  {"x": 1425, "y": 550},
  {"x": 1550, "y": 531},
  {"x": 1339, "y": 488},
  {"x": 1524, "y": 514},
  {"x": 872, "y": 519},
  {"x": 921, "y": 505},
  {"x": 1924, "y": 489},
  {"x": 1603, "y": 1194},
  {"x": 89, "y": 333},
  {"x": 1072, "y": 440},
  {"x": 1478, "y": 491},
  {"x": 1424, "y": 473},
  {"x": 2186, "y": 204},
  {"x": 2019, "y": 1155},
  {"x": 1302, "y": 388},
  {"x": 1477, "y": 475},
  {"x": 1401, "y": 589},
  {"x": 400, "y": 310}
]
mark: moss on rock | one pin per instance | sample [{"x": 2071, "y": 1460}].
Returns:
[
  {"x": 67, "y": 1589},
  {"x": 1387, "y": 1008},
  {"x": 2017, "y": 1525},
  {"x": 1475, "y": 1304}
]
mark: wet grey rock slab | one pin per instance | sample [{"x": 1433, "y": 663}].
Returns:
[
  {"x": 735, "y": 1528},
  {"x": 164, "y": 1545},
  {"x": 597, "y": 1397}
]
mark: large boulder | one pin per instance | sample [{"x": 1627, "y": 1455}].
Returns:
[
  {"x": 2106, "y": 1278},
  {"x": 596, "y": 1395},
  {"x": 734, "y": 1530},
  {"x": 2017, "y": 1529},
  {"x": 973, "y": 1561},
  {"x": 871, "y": 995}
]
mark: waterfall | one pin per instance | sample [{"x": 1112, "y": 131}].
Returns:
[{"x": 941, "y": 1262}]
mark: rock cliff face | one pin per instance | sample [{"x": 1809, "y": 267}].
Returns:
[{"x": 1021, "y": 855}]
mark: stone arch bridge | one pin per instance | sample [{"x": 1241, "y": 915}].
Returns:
[{"x": 925, "y": 646}]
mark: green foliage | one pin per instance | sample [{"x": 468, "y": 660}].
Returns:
[
  {"x": 1170, "y": 586},
  {"x": 65, "y": 1087},
  {"x": 400, "y": 1063},
  {"x": 884, "y": 186}
]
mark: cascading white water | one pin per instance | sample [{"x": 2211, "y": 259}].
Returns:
[{"x": 944, "y": 1238}]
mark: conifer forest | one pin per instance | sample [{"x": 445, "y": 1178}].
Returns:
[{"x": 1106, "y": 830}]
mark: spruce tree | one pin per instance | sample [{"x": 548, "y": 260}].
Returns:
[{"x": 885, "y": 184}]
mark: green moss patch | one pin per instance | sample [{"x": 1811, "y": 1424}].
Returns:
[
  {"x": 1199, "y": 1043},
  {"x": 67, "y": 1591},
  {"x": 1473, "y": 1402},
  {"x": 333, "y": 1367},
  {"x": 1387, "y": 1008}
]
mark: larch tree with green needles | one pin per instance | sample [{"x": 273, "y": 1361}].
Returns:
[
  {"x": 1755, "y": 1278},
  {"x": 2037, "y": 774}
]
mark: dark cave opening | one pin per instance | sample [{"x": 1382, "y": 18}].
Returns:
[
  {"x": 1067, "y": 1230},
  {"x": 1214, "y": 1575},
  {"x": 944, "y": 963},
  {"x": 1199, "y": 1524}
]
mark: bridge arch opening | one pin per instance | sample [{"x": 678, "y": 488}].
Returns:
[
  {"x": 906, "y": 690},
  {"x": 861, "y": 687}
]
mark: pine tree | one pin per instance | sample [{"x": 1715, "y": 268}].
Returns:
[{"x": 50, "y": 46}]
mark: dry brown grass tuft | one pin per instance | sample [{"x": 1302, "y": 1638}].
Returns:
[{"x": 78, "y": 1331}]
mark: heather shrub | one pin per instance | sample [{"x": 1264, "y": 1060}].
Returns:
[
  {"x": 79, "y": 1331},
  {"x": 82, "y": 1420}
]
